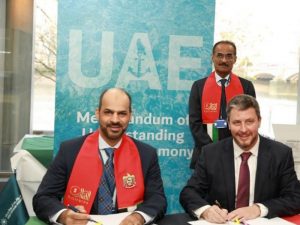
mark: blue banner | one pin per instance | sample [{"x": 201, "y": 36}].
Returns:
[{"x": 153, "y": 49}]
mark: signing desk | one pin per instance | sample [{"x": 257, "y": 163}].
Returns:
[
  {"x": 183, "y": 219},
  {"x": 173, "y": 219}
]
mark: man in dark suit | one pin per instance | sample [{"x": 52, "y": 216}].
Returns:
[
  {"x": 272, "y": 188},
  {"x": 105, "y": 163},
  {"x": 205, "y": 97}
]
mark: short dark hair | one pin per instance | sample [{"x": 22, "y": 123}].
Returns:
[
  {"x": 243, "y": 102},
  {"x": 224, "y": 42},
  {"x": 122, "y": 90}
]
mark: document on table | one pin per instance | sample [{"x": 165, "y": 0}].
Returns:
[
  {"x": 112, "y": 219},
  {"x": 257, "y": 221}
]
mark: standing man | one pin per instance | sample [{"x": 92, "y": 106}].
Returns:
[
  {"x": 103, "y": 173},
  {"x": 209, "y": 95},
  {"x": 244, "y": 176}
]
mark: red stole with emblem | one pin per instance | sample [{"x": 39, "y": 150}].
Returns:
[
  {"x": 211, "y": 96},
  {"x": 87, "y": 170}
]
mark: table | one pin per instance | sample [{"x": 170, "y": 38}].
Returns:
[
  {"x": 175, "y": 219},
  {"x": 183, "y": 218},
  {"x": 172, "y": 219}
]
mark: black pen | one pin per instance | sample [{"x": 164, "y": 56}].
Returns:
[
  {"x": 218, "y": 204},
  {"x": 78, "y": 211}
]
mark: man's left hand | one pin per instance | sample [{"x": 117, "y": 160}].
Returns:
[
  {"x": 133, "y": 219},
  {"x": 244, "y": 213}
]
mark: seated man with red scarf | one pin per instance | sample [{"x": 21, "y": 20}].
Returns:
[{"x": 85, "y": 176}]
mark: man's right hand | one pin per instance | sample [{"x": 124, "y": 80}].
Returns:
[
  {"x": 214, "y": 214},
  {"x": 69, "y": 217}
]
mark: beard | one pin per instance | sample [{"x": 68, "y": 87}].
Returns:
[
  {"x": 246, "y": 145},
  {"x": 111, "y": 135}
]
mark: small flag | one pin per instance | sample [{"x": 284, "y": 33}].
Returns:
[
  {"x": 12, "y": 207},
  {"x": 212, "y": 132}
]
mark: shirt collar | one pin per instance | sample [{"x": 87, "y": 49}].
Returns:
[
  {"x": 218, "y": 77},
  {"x": 103, "y": 144},
  {"x": 238, "y": 151}
]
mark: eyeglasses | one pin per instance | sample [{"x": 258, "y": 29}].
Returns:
[{"x": 228, "y": 57}]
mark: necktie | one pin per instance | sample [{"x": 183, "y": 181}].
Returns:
[
  {"x": 223, "y": 100},
  {"x": 107, "y": 185},
  {"x": 242, "y": 199}
]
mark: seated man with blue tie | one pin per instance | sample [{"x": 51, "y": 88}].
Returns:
[
  {"x": 104, "y": 172},
  {"x": 244, "y": 176}
]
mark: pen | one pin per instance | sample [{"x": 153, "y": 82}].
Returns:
[
  {"x": 218, "y": 204},
  {"x": 77, "y": 210},
  {"x": 237, "y": 221}
]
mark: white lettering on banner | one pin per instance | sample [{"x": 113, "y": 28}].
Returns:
[
  {"x": 86, "y": 131},
  {"x": 177, "y": 62},
  {"x": 75, "y": 73},
  {"x": 183, "y": 121},
  {"x": 86, "y": 118},
  {"x": 161, "y": 135},
  {"x": 174, "y": 152},
  {"x": 139, "y": 64},
  {"x": 150, "y": 119}
]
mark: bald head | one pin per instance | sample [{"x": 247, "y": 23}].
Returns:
[{"x": 115, "y": 94}]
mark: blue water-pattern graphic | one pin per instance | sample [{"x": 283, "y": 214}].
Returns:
[{"x": 155, "y": 50}]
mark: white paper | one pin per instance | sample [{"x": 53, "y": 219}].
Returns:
[
  {"x": 113, "y": 219},
  {"x": 257, "y": 221},
  {"x": 279, "y": 221}
]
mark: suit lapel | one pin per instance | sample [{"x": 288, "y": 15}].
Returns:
[
  {"x": 228, "y": 166},
  {"x": 263, "y": 165}
]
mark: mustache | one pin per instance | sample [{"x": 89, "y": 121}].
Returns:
[
  {"x": 223, "y": 64},
  {"x": 114, "y": 124}
]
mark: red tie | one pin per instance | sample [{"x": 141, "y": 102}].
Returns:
[{"x": 242, "y": 198}]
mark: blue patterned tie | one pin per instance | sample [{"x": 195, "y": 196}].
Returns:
[{"x": 107, "y": 185}]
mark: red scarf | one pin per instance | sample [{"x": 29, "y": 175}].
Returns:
[
  {"x": 87, "y": 171},
  {"x": 211, "y": 96}
]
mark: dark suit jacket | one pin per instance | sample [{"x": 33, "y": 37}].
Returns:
[
  {"x": 198, "y": 129},
  {"x": 276, "y": 183},
  {"x": 47, "y": 200}
]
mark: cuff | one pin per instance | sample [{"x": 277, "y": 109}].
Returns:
[
  {"x": 147, "y": 218},
  {"x": 53, "y": 219},
  {"x": 263, "y": 210},
  {"x": 198, "y": 212}
]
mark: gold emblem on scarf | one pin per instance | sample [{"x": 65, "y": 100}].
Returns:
[
  {"x": 80, "y": 193},
  {"x": 129, "y": 181},
  {"x": 210, "y": 107}
]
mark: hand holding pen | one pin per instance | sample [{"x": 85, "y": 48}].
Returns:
[
  {"x": 215, "y": 214},
  {"x": 73, "y": 208},
  {"x": 236, "y": 220}
]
